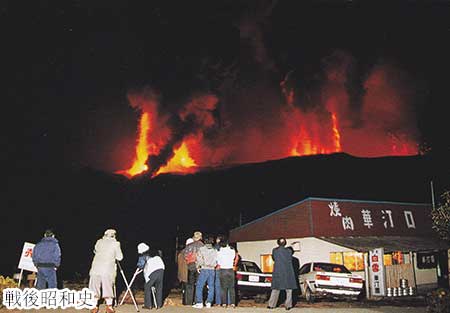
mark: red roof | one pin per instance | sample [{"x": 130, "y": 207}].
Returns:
[{"x": 323, "y": 217}]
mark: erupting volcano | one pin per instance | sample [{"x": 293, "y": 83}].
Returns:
[{"x": 207, "y": 131}]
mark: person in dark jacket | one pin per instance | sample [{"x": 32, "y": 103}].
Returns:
[
  {"x": 47, "y": 258},
  {"x": 153, "y": 269},
  {"x": 296, "y": 266},
  {"x": 283, "y": 276},
  {"x": 217, "y": 288}
]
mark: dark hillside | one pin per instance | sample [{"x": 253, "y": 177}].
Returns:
[{"x": 80, "y": 204}]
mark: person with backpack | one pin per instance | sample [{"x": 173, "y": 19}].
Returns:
[
  {"x": 190, "y": 255},
  {"x": 153, "y": 268}
]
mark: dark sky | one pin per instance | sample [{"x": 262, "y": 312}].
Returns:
[{"x": 67, "y": 66}]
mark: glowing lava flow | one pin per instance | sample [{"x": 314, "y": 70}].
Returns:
[
  {"x": 142, "y": 150},
  {"x": 336, "y": 134},
  {"x": 180, "y": 162},
  {"x": 308, "y": 143},
  {"x": 202, "y": 134}
]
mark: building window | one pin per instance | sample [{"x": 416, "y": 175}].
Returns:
[
  {"x": 387, "y": 259},
  {"x": 266, "y": 263},
  {"x": 426, "y": 260},
  {"x": 353, "y": 261},
  {"x": 396, "y": 257},
  {"x": 336, "y": 258}
]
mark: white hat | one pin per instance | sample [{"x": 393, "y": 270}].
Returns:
[
  {"x": 110, "y": 233},
  {"x": 189, "y": 240},
  {"x": 142, "y": 247}
]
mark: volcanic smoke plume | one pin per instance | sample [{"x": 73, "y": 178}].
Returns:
[{"x": 263, "y": 122}]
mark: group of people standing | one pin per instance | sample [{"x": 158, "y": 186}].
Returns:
[
  {"x": 102, "y": 274},
  {"x": 212, "y": 262},
  {"x": 207, "y": 262}
]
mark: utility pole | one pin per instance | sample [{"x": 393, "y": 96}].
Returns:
[
  {"x": 176, "y": 243},
  {"x": 432, "y": 194}
]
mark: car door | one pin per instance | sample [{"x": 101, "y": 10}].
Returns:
[{"x": 302, "y": 273}]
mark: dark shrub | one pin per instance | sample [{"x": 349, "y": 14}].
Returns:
[{"x": 438, "y": 301}]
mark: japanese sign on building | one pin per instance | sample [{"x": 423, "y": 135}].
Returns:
[
  {"x": 376, "y": 272},
  {"x": 359, "y": 218},
  {"x": 426, "y": 260},
  {"x": 325, "y": 217},
  {"x": 26, "y": 261}
]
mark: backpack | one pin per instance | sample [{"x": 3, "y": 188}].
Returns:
[{"x": 190, "y": 257}]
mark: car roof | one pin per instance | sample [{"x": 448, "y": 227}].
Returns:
[{"x": 248, "y": 261}]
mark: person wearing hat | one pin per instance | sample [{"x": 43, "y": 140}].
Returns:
[
  {"x": 183, "y": 270},
  {"x": 206, "y": 264},
  {"x": 102, "y": 275},
  {"x": 190, "y": 255},
  {"x": 153, "y": 268},
  {"x": 47, "y": 258}
]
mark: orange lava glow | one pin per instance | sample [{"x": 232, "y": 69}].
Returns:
[
  {"x": 336, "y": 134},
  {"x": 307, "y": 146},
  {"x": 308, "y": 143},
  {"x": 142, "y": 147},
  {"x": 205, "y": 135},
  {"x": 181, "y": 162}
]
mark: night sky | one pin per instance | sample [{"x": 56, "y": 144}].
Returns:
[{"x": 68, "y": 66}]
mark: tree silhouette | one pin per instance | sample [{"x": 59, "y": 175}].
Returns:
[{"x": 441, "y": 217}]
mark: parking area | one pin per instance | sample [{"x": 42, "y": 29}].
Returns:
[
  {"x": 127, "y": 308},
  {"x": 173, "y": 304},
  {"x": 398, "y": 304}
]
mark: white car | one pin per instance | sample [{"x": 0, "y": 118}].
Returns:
[
  {"x": 252, "y": 282},
  {"x": 319, "y": 279}
]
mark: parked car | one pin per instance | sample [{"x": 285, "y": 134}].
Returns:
[
  {"x": 252, "y": 282},
  {"x": 319, "y": 279}
]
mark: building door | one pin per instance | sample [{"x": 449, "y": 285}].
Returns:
[{"x": 442, "y": 269}]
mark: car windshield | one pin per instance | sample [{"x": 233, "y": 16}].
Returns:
[
  {"x": 329, "y": 267},
  {"x": 250, "y": 267}
]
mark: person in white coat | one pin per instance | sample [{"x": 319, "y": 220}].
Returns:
[{"x": 103, "y": 271}]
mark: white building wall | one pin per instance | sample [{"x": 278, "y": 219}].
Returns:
[
  {"x": 311, "y": 249},
  {"x": 252, "y": 250},
  {"x": 317, "y": 250}
]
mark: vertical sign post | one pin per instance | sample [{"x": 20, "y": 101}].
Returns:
[
  {"x": 26, "y": 261},
  {"x": 376, "y": 272}
]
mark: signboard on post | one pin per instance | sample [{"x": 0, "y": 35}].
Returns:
[
  {"x": 376, "y": 272},
  {"x": 26, "y": 261}
]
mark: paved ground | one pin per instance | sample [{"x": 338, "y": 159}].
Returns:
[
  {"x": 127, "y": 308},
  {"x": 173, "y": 305}
]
